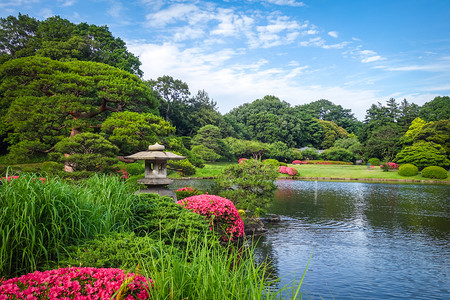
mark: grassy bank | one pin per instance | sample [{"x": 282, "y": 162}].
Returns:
[{"x": 344, "y": 172}]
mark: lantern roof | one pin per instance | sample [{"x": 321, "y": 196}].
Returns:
[{"x": 155, "y": 152}]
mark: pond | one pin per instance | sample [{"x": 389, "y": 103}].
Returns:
[{"x": 365, "y": 240}]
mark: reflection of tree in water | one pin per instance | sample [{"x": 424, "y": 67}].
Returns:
[{"x": 264, "y": 254}]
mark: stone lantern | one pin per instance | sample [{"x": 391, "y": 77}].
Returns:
[{"x": 155, "y": 177}]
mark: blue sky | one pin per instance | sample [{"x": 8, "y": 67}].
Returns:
[{"x": 351, "y": 52}]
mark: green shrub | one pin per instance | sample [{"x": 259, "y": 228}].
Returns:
[
  {"x": 408, "y": 170},
  {"x": 374, "y": 161},
  {"x": 114, "y": 250},
  {"x": 52, "y": 168},
  {"x": 162, "y": 219},
  {"x": 338, "y": 154},
  {"x": 183, "y": 167},
  {"x": 187, "y": 192},
  {"x": 272, "y": 162},
  {"x": 435, "y": 172},
  {"x": 283, "y": 164},
  {"x": 135, "y": 169}
]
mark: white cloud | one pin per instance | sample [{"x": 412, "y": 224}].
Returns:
[
  {"x": 286, "y": 2},
  {"x": 172, "y": 14},
  {"x": 66, "y": 3},
  {"x": 372, "y": 59},
  {"x": 334, "y": 34},
  {"x": 115, "y": 10},
  {"x": 232, "y": 84},
  {"x": 46, "y": 13},
  {"x": 17, "y": 3}
]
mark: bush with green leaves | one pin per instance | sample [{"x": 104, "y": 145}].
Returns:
[
  {"x": 114, "y": 250},
  {"x": 310, "y": 154},
  {"x": 87, "y": 152},
  {"x": 408, "y": 170},
  {"x": 249, "y": 185},
  {"x": 272, "y": 162},
  {"x": 374, "y": 161},
  {"x": 162, "y": 219},
  {"x": 435, "y": 172},
  {"x": 182, "y": 167},
  {"x": 187, "y": 192},
  {"x": 52, "y": 168},
  {"x": 135, "y": 169},
  {"x": 205, "y": 153},
  {"x": 424, "y": 154},
  {"x": 338, "y": 154}
]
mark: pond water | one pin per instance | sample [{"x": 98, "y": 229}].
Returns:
[{"x": 365, "y": 240}]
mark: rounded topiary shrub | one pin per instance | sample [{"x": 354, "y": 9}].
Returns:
[
  {"x": 408, "y": 170},
  {"x": 272, "y": 162},
  {"x": 374, "y": 161},
  {"x": 435, "y": 172}
]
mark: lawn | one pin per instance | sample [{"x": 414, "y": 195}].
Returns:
[{"x": 322, "y": 171}]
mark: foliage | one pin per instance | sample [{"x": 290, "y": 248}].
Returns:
[
  {"x": 436, "y": 109},
  {"x": 77, "y": 283},
  {"x": 182, "y": 167},
  {"x": 326, "y": 110},
  {"x": 59, "y": 39},
  {"x": 210, "y": 137},
  {"x": 423, "y": 154},
  {"x": 205, "y": 153},
  {"x": 388, "y": 166},
  {"x": 171, "y": 91},
  {"x": 280, "y": 151},
  {"x": 331, "y": 132},
  {"x": 175, "y": 144},
  {"x": 383, "y": 142},
  {"x": 162, "y": 219},
  {"x": 350, "y": 143},
  {"x": 338, "y": 154},
  {"x": 434, "y": 172},
  {"x": 187, "y": 192},
  {"x": 220, "y": 212},
  {"x": 310, "y": 154},
  {"x": 133, "y": 132},
  {"x": 113, "y": 250},
  {"x": 135, "y": 169},
  {"x": 408, "y": 170},
  {"x": 374, "y": 161},
  {"x": 45, "y": 100},
  {"x": 86, "y": 152},
  {"x": 250, "y": 184},
  {"x": 288, "y": 170},
  {"x": 52, "y": 168},
  {"x": 272, "y": 162},
  {"x": 38, "y": 219}
]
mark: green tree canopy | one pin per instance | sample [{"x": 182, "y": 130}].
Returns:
[
  {"x": 47, "y": 100},
  {"x": 59, "y": 39},
  {"x": 436, "y": 109},
  {"x": 133, "y": 132},
  {"x": 423, "y": 154}
]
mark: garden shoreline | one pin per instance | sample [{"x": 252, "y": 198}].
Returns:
[{"x": 385, "y": 180}]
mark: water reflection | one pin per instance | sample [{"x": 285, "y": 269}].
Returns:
[{"x": 369, "y": 240}]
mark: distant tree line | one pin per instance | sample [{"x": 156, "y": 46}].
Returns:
[{"x": 59, "y": 80}]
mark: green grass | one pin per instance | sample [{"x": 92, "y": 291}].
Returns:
[
  {"x": 352, "y": 171},
  {"x": 209, "y": 271},
  {"x": 38, "y": 220},
  {"x": 322, "y": 171},
  {"x": 210, "y": 170}
]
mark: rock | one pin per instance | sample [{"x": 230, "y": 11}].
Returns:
[{"x": 254, "y": 227}]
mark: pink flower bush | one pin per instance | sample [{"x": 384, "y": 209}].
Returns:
[
  {"x": 292, "y": 171},
  {"x": 124, "y": 173},
  {"x": 220, "y": 211},
  {"x": 242, "y": 159},
  {"x": 42, "y": 179},
  {"x": 76, "y": 283},
  {"x": 185, "y": 189},
  {"x": 283, "y": 169},
  {"x": 288, "y": 170},
  {"x": 390, "y": 165},
  {"x": 298, "y": 162}
]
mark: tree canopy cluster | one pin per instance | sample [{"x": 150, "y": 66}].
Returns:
[{"x": 59, "y": 79}]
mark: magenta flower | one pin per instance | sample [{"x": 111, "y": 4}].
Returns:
[
  {"x": 221, "y": 212},
  {"x": 76, "y": 283}
]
